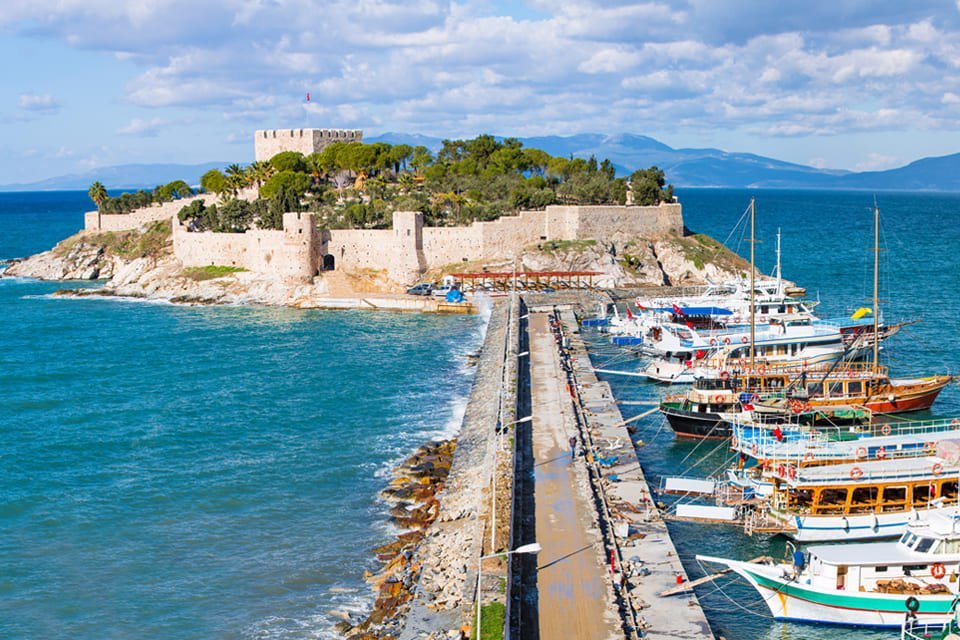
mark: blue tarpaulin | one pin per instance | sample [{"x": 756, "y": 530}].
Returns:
[{"x": 699, "y": 311}]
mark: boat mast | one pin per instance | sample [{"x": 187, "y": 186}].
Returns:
[
  {"x": 779, "y": 278},
  {"x": 753, "y": 306},
  {"x": 876, "y": 286}
]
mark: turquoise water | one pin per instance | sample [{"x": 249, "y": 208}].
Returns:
[
  {"x": 825, "y": 240},
  {"x": 188, "y": 472}
]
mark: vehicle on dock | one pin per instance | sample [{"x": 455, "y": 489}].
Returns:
[
  {"x": 422, "y": 289},
  {"x": 875, "y": 584}
]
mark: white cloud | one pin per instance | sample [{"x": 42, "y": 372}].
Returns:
[
  {"x": 878, "y": 162},
  {"x": 36, "y": 103},
  {"x": 142, "y": 128}
]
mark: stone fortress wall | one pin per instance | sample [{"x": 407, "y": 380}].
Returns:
[
  {"x": 271, "y": 142},
  {"x": 96, "y": 221}
]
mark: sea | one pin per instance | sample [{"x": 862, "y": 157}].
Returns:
[{"x": 213, "y": 472}]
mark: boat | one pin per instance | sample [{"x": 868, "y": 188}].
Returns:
[
  {"x": 875, "y": 584},
  {"x": 830, "y": 395}
]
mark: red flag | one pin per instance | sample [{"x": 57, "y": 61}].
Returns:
[
  {"x": 778, "y": 433},
  {"x": 629, "y": 314},
  {"x": 308, "y": 96},
  {"x": 641, "y": 307},
  {"x": 689, "y": 325},
  {"x": 677, "y": 310}
]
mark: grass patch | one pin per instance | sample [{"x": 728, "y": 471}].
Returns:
[
  {"x": 552, "y": 246},
  {"x": 492, "y": 618},
  {"x": 210, "y": 272},
  {"x": 153, "y": 241}
]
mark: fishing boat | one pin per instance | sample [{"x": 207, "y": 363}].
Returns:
[{"x": 877, "y": 584}]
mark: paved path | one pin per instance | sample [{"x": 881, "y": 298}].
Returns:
[{"x": 572, "y": 582}]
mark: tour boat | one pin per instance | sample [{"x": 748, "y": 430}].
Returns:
[
  {"x": 857, "y": 501},
  {"x": 704, "y": 410},
  {"x": 876, "y": 584}
]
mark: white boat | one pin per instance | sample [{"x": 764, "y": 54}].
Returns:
[{"x": 876, "y": 584}]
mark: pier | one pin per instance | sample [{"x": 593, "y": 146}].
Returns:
[{"x": 605, "y": 553}]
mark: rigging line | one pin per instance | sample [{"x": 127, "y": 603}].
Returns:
[{"x": 741, "y": 607}]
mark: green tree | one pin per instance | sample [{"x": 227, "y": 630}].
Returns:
[
  {"x": 290, "y": 161},
  {"x": 647, "y": 186},
  {"x": 213, "y": 181},
  {"x": 297, "y": 183},
  {"x": 97, "y": 193}
]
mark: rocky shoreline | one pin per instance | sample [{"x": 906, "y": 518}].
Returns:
[{"x": 413, "y": 494}]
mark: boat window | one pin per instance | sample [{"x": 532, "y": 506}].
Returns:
[
  {"x": 924, "y": 493},
  {"x": 814, "y": 389},
  {"x": 894, "y": 498},
  {"x": 802, "y": 499},
  {"x": 880, "y": 569},
  {"x": 948, "y": 490},
  {"x": 949, "y": 547},
  {"x": 907, "y": 538},
  {"x": 926, "y": 545},
  {"x": 854, "y": 388},
  {"x": 832, "y": 501},
  {"x": 836, "y": 389},
  {"x": 864, "y": 500}
]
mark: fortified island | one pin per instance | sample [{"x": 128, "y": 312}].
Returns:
[{"x": 151, "y": 252}]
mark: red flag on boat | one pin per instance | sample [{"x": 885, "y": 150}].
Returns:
[
  {"x": 778, "y": 434},
  {"x": 641, "y": 307},
  {"x": 689, "y": 325},
  {"x": 677, "y": 310},
  {"x": 308, "y": 96},
  {"x": 629, "y": 314}
]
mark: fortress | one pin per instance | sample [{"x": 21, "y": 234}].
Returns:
[
  {"x": 269, "y": 143},
  {"x": 300, "y": 251}
]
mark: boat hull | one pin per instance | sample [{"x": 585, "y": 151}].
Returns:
[
  {"x": 788, "y": 599},
  {"x": 690, "y": 424},
  {"x": 866, "y": 526}
]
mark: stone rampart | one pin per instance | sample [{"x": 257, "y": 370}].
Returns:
[
  {"x": 410, "y": 249},
  {"x": 96, "y": 221},
  {"x": 271, "y": 142}
]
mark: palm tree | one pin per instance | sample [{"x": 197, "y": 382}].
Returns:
[
  {"x": 237, "y": 178},
  {"x": 97, "y": 193},
  {"x": 259, "y": 172}
]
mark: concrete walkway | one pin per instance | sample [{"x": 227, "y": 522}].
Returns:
[{"x": 572, "y": 577}]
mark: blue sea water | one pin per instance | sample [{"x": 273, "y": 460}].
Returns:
[
  {"x": 193, "y": 472},
  {"x": 826, "y": 239}
]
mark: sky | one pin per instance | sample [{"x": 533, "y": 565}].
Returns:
[{"x": 842, "y": 84}]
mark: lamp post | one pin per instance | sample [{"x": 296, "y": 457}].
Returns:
[
  {"x": 493, "y": 496},
  {"x": 533, "y": 547}
]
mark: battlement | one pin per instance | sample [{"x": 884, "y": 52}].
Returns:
[{"x": 270, "y": 142}]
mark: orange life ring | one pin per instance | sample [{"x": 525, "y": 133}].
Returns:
[
  {"x": 718, "y": 399},
  {"x": 856, "y": 473},
  {"x": 808, "y": 457},
  {"x": 724, "y": 375},
  {"x": 806, "y": 407},
  {"x": 796, "y": 407},
  {"x": 743, "y": 362},
  {"x": 713, "y": 342},
  {"x": 955, "y": 422},
  {"x": 761, "y": 369},
  {"x": 733, "y": 441},
  {"x": 885, "y": 429},
  {"x": 755, "y": 397},
  {"x": 726, "y": 340},
  {"x": 861, "y": 452},
  {"x": 881, "y": 453},
  {"x": 744, "y": 339},
  {"x": 931, "y": 446},
  {"x": 937, "y": 570},
  {"x": 766, "y": 464},
  {"x": 937, "y": 469},
  {"x": 781, "y": 470},
  {"x": 792, "y": 472}
]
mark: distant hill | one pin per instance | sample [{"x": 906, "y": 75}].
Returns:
[
  {"x": 683, "y": 167},
  {"x": 121, "y": 176}
]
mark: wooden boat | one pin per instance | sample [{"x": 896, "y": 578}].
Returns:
[
  {"x": 877, "y": 584},
  {"x": 861, "y": 500},
  {"x": 704, "y": 411}
]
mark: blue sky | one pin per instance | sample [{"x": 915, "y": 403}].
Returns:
[{"x": 849, "y": 84}]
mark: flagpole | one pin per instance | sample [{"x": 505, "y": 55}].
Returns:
[{"x": 753, "y": 306}]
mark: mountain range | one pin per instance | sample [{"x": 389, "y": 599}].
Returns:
[{"x": 683, "y": 167}]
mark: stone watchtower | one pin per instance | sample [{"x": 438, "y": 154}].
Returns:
[
  {"x": 269, "y": 143},
  {"x": 298, "y": 257},
  {"x": 407, "y": 261}
]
